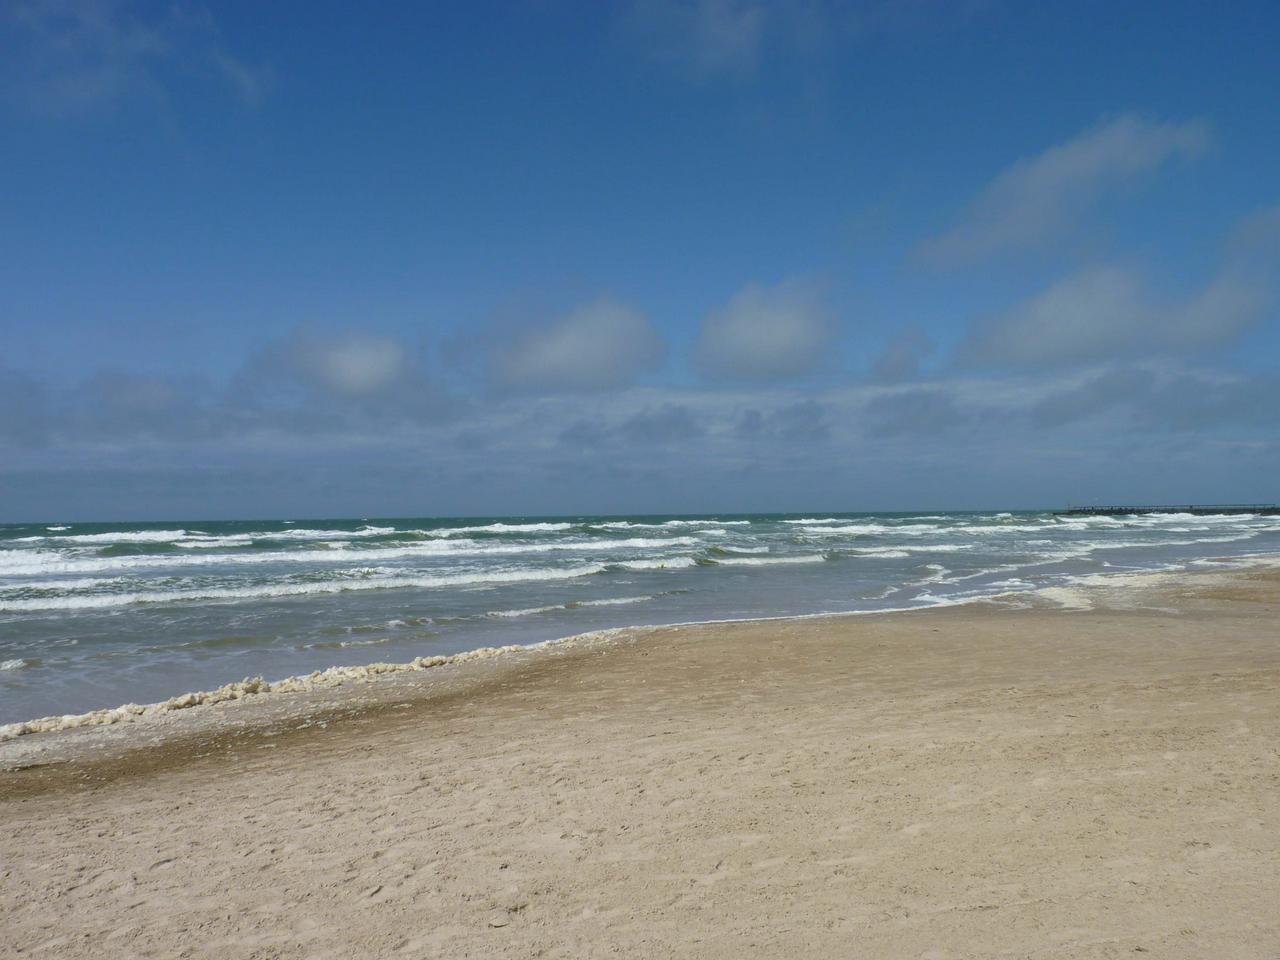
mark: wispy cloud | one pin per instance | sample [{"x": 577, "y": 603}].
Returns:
[
  {"x": 707, "y": 38},
  {"x": 1039, "y": 197},
  {"x": 69, "y": 56},
  {"x": 766, "y": 333},
  {"x": 738, "y": 40}
]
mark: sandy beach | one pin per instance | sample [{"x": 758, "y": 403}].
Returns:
[{"x": 996, "y": 779}]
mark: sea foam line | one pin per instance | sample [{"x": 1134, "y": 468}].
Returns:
[
  {"x": 257, "y": 686},
  {"x": 22, "y": 562},
  {"x": 100, "y": 601}
]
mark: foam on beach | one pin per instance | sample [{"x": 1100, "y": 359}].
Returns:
[{"x": 256, "y": 687}]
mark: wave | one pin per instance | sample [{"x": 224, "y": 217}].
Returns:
[
  {"x": 214, "y": 543},
  {"x": 907, "y": 549},
  {"x": 851, "y": 529},
  {"x": 271, "y": 591},
  {"x": 306, "y": 533},
  {"x": 731, "y": 550},
  {"x": 199, "y": 538},
  {"x": 998, "y": 528},
  {"x": 80, "y": 583},
  {"x": 937, "y": 574},
  {"x": 705, "y": 523},
  {"x": 768, "y": 561},
  {"x": 28, "y": 562},
  {"x": 343, "y": 644},
  {"x": 124, "y": 536},
  {"x": 659, "y": 563},
  {"x": 570, "y": 605},
  {"x": 501, "y": 528},
  {"x": 665, "y": 524}
]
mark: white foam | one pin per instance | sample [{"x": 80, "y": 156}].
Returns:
[
  {"x": 268, "y": 591},
  {"x": 938, "y": 574},
  {"x": 906, "y": 549},
  {"x": 343, "y": 644},
  {"x": 570, "y": 605},
  {"x": 768, "y": 561},
  {"x": 501, "y": 528},
  {"x": 849, "y": 529},
  {"x": 12, "y": 664},
  {"x": 525, "y": 611},
  {"x": 28, "y": 562},
  {"x": 306, "y": 533},
  {"x": 609, "y": 602},
  {"x": 257, "y": 686},
  {"x": 126, "y": 536},
  {"x": 997, "y": 528},
  {"x": 660, "y": 563},
  {"x": 64, "y": 585},
  {"x": 702, "y": 523},
  {"x": 666, "y": 524}
]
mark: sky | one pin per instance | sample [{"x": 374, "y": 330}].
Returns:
[{"x": 661, "y": 256}]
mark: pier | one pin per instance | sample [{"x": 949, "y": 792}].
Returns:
[{"x": 1262, "y": 509}]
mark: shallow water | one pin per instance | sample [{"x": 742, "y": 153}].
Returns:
[{"x": 92, "y": 615}]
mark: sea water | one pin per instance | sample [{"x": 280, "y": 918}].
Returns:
[{"x": 93, "y": 615}]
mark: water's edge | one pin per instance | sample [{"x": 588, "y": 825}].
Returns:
[{"x": 257, "y": 688}]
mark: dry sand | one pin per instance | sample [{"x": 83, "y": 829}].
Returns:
[{"x": 976, "y": 781}]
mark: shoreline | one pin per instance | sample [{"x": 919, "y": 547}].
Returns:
[
  {"x": 979, "y": 780},
  {"x": 257, "y": 690}
]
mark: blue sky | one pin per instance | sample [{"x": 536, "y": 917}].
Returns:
[{"x": 708, "y": 255}]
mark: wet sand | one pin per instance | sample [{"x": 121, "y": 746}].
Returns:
[{"x": 987, "y": 780}]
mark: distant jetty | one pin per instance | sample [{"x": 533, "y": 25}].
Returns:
[{"x": 1202, "y": 509}]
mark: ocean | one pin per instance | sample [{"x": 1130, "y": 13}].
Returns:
[{"x": 93, "y": 615}]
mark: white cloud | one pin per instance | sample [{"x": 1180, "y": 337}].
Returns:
[
  {"x": 1107, "y": 313},
  {"x": 1095, "y": 313},
  {"x": 598, "y": 346},
  {"x": 1040, "y": 196},
  {"x": 766, "y": 333},
  {"x": 351, "y": 365}
]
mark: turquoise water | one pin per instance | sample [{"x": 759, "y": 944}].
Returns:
[{"x": 93, "y": 615}]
